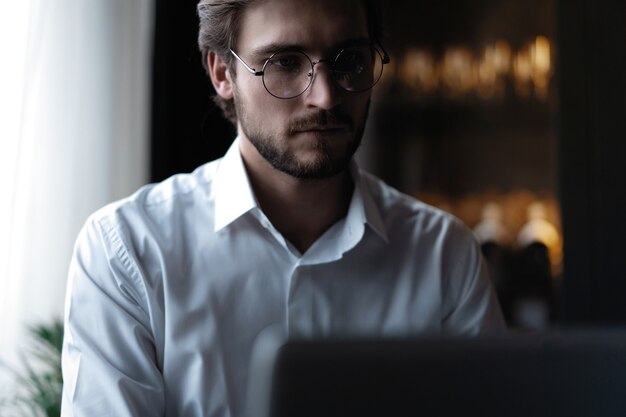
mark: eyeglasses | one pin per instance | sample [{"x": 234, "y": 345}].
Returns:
[{"x": 288, "y": 74}]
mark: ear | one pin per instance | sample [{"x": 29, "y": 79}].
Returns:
[{"x": 220, "y": 76}]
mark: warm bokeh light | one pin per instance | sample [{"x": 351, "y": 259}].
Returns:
[
  {"x": 459, "y": 72},
  {"x": 419, "y": 71},
  {"x": 542, "y": 66}
]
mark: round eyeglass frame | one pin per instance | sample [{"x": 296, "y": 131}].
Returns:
[{"x": 381, "y": 53}]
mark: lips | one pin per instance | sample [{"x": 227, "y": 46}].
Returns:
[
  {"x": 322, "y": 123},
  {"x": 326, "y": 128}
]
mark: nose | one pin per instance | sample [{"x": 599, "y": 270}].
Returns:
[{"x": 323, "y": 92}]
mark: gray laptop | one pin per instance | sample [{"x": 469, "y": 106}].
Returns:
[{"x": 565, "y": 375}]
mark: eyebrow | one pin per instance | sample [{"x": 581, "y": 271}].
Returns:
[{"x": 274, "y": 47}]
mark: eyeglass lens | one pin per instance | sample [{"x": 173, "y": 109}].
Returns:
[{"x": 288, "y": 74}]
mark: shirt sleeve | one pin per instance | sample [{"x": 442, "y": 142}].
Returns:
[
  {"x": 470, "y": 304},
  {"x": 109, "y": 361}
]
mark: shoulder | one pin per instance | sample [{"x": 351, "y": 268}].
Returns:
[
  {"x": 160, "y": 199},
  {"x": 155, "y": 210},
  {"x": 402, "y": 212}
]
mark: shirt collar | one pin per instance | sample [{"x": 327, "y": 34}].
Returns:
[
  {"x": 233, "y": 194},
  {"x": 363, "y": 208}
]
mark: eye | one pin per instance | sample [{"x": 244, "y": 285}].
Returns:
[
  {"x": 353, "y": 61},
  {"x": 285, "y": 62}
]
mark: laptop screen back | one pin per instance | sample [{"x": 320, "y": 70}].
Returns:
[{"x": 557, "y": 375}]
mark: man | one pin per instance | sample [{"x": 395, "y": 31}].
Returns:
[{"x": 170, "y": 289}]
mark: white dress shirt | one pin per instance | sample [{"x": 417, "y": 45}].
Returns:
[{"x": 169, "y": 289}]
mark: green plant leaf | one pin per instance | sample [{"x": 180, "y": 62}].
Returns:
[{"x": 40, "y": 384}]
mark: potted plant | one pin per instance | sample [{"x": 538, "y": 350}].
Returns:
[{"x": 39, "y": 385}]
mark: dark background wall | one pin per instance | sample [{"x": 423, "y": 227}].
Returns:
[
  {"x": 592, "y": 157},
  {"x": 468, "y": 144},
  {"x": 187, "y": 128}
]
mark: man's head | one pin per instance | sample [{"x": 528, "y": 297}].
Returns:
[
  {"x": 308, "y": 135},
  {"x": 220, "y": 24}
]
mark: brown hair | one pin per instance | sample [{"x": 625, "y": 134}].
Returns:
[{"x": 219, "y": 27}]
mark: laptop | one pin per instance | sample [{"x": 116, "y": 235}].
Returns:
[{"x": 564, "y": 375}]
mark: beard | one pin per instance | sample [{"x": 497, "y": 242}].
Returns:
[{"x": 326, "y": 162}]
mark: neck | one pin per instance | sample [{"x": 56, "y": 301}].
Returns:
[{"x": 301, "y": 210}]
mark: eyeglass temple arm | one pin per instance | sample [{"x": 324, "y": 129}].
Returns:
[
  {"x": 252, "y": 70},
  {"x": 385, "y": 54}
]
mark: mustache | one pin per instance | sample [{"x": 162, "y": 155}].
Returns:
[{"x": 321, "y": 119}]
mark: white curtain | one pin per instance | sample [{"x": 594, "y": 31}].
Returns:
[{"x": 74, "y": 102}]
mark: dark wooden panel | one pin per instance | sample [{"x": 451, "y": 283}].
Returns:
[{"x": 592, "y": 152}]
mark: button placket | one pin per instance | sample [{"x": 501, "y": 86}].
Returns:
[{"x": 308, "y": 309}]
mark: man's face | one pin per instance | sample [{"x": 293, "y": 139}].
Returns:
[{"x": 315, "y": 134}]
